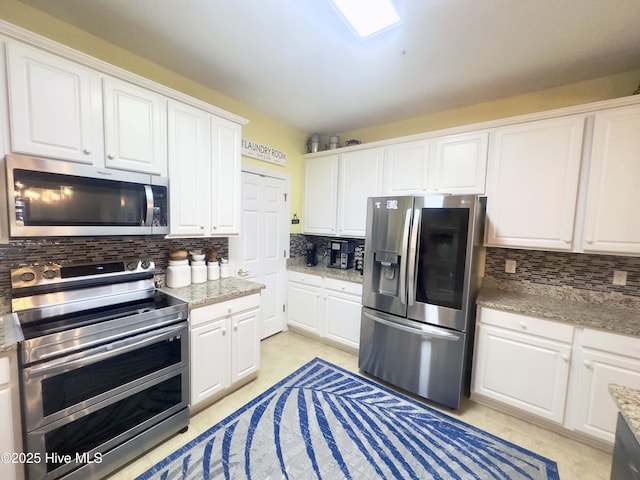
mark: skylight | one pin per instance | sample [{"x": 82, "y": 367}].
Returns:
[{"x": 368, "y": 17}]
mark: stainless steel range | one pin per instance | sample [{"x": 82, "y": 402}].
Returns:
[{"x": 104, "y": 367}]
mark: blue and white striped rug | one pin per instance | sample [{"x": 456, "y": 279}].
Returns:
[{"x": 323, "y": 422}]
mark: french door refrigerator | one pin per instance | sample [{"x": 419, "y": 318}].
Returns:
[{"x": 424, "y": 262}]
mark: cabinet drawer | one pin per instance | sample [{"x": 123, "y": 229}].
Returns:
[
  {"x": 521, "y": 323},
  {"x": 342, "y": 286},
  {"x": 611, "y": 342},
  {"x": 203, "y": 314},
  {"x": 4, "y": 371},
  {"x": 305, "y": 278}
]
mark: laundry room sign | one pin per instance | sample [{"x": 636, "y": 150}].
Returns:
[{"x": 263, "y": 152}]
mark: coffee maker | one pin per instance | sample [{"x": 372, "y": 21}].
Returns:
[
  {"x": 342, "y": 253},
  {"x": 312, "y": 258}
]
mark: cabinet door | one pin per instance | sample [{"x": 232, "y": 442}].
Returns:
[
  {"x": 360, "y": 177},
  {"x": 245, "y": 345},
  {"x": 524, "y": 371},
  {"x": 8, "y": 470},
  {"x": 459, "y": 164},
  {"x": 320, "y": 195},
  {"x": 533, "y": 183},
  {"x": 342, "y": 311},
  {"x": 304, "y": 303},
  {"x": 225, "y": 179},
  {"x": 189, "y": 169},
  {"x": 605, "y": 358},
  {"x": 135, "y": 128},
  {"x": 210, "y": 364},
  {"x": 55, "y": 106},
  {"x": 406, "y": 167},
  {"x": 614, "y": 183}
]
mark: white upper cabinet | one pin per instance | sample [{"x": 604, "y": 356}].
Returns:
[
  {"x": 360, "y": 177},
  {"x": 459, "y": 164},
  {"x": 336, "y": 189},
  {"x": 611, "y": 224},
  {"x": 320, "y": 195},
  {"x": 532, "y": 185},
  {"x": 135, "y": 128},
  {"x": 189, "y": 145},
  {"x": 226, "y": 167},
  {"x": 406, "y": 167},
  {"x": 204, "y": 173},
  {"x": 55, "y": 106}
]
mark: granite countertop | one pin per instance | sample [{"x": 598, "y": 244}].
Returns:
[
  {"x": 298, "y": 264},
  {"x": 214, "y": 291},
  {"x": 10, "y": 333},
  {"x": 614, "y": 313},
  {"x": 628, "y": 401}
]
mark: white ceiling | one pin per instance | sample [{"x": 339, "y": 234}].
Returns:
[{"x": 297, "y": 61}]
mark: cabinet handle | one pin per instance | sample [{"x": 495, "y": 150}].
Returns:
[
  {"x": 588, "y": 364},
  {"x": 523, "y": 325},
  {"x": 565, "y": 357},
  {"x": 86, "y": 151},
  {"x": 201, "y": 227},
  {"x": 235, "y": 327},
  {"x": 215, "y": 227},
  {"x": 224, "y": 330},
  {"x": 229, "y": 309},
  {"x": 110, "y": 157}
]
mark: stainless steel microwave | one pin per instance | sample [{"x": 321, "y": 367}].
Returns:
[{"x": 52, "y": 198}]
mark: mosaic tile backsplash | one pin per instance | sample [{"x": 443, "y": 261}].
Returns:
[{"x": 74, "y": 250}]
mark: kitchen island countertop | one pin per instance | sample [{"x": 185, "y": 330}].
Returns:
[
  {"x": 214, "y": 291},
  {"x": 628, "y": 401},
  {"x": 586, "y": 309}
]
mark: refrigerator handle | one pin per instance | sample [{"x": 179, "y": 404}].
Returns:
[
  {"x": 413, "y": 249},
  {"x": 403, "y": 257}
]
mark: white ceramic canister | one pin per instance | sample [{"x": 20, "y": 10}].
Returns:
[
  {"x": 198, "y": 272},
  {"x": 178, "y": 274},
  {"x": 213, "y": 271},
  {"x": 224, "y": 270}
]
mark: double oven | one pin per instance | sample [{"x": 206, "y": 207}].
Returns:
[{"x": 104, "y": 372}]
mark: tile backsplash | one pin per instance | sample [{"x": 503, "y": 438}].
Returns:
[
  {"x": 580, "y": 271},
  {"x": 74, "y": 250}
]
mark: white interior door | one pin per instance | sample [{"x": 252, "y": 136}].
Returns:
[{"x": 260, "y": 252}]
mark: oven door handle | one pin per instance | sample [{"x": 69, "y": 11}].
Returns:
[{"x": 103, "y": 352}]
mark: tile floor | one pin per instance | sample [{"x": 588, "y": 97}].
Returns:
[{"x": 285, "y": 352}]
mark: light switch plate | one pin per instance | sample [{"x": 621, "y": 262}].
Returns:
[
  {"x": 510, "y": 266},
  {"x": 619, "y": 277}
]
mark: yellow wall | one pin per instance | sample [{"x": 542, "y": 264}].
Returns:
[
  {"x": 267, "y": 130},
  {"x": 604, "y": 88}
]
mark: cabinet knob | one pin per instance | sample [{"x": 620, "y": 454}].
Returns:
[
  {"x": 229, "y": 309},
  {"x": 201, "y": 227},
  {"x": 565, "y": 357},
  {"x": 523, "y": 325},
  {"x": 86, "y": 151},
  {"x": 588, "y": 363},
  {"x": 215, "y": 227},
  {"x": 235, "y": 327},
  {"x": 224, "y": 330},
  {"x": 110, "y": 157}
]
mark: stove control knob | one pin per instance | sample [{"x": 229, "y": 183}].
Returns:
[
  {"x": 28, "y": 277},
  {"x": 50, "y": 274},
  {"x": 145, "y": 264},
  {"x": 132, "y": 265}
]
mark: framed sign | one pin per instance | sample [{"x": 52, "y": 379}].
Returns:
[{"x": 263, "y": 152}]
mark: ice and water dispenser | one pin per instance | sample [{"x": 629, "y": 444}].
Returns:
[{"x": 386, "y": 272}]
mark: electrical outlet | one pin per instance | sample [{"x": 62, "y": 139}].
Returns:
[
  {"x": 510, "y": 266},
  {"x": 619, "y": 277}
]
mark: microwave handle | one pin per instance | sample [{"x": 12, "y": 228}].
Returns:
[{"x": 148, "y": 218}]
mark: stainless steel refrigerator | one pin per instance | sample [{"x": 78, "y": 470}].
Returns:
[{"x": 424, "y": 262}]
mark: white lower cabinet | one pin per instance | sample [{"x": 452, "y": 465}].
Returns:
[
  {"x": 10, "y": 420},
  {"x": 326, "y": 308},
  {"x": 523, "y": 362},
  {"x": 602, "y": 358},
  {"x": 225, "y": 347},
  {"x": 553, "y": 370}
]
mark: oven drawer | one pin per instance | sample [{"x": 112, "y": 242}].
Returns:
[{"x": 68, "y": 385}]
